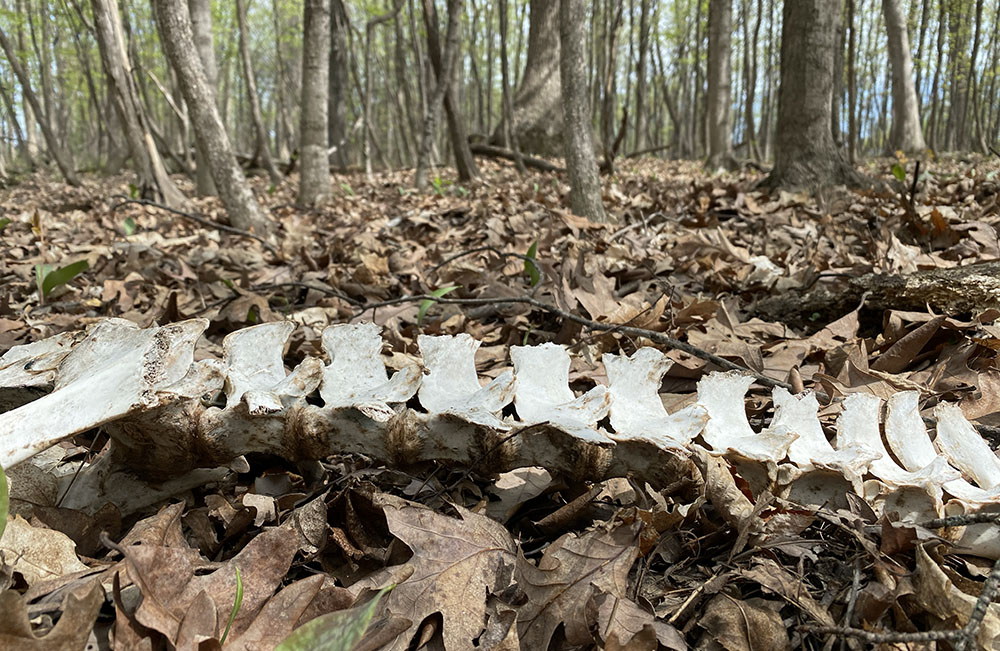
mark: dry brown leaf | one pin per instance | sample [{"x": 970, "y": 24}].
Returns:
[
  {"x": 455, "y": 564},
  {"x": 564, "y": 581},
  {"x": 744, "y": 625},
  {"x": 70, "y": 632},
  {"x": 938, "y": 595},
  {"x": 37, "y": 553}
]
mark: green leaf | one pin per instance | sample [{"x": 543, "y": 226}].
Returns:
[
  {"x": 129, "y": 226},
  {"x": 48, "y": 278},
  {"x": 336, "y": 631},
  {"x": 228, "y": 283},
  {"x": 426, "y": 303},
  {"x": 133, "y": 191},
  {"x": 531, "y": 263},
  {"x": 3, "y": 223},
  {"x": 899, "y": 172},
  {"x": 4, "y": 501},
  {"x": 236, "y": 605}
]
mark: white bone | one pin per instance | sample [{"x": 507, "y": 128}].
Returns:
[
  {"x": 131, "y": 367},
  {"x": 858, "y": 425},
  {"x": 542, "y": 393},
  {"x": 452, "y": 384},
  {"x": 356, "y": 376},
  {"x": 637, "y": 413},
  {"x": 962, "y": 444},
  {"x": 255, "y": 372},
  {"x": 721, "y": 394},
  {"x": 907, "y": 437}
]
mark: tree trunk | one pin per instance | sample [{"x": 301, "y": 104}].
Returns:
[
  {"x": 201, "y": 29},
  {"x": 314, "y": 168},
  {"x": 464, "y": 162},
  {"x": 906, "y": 134},
  {"x": 584, "y": 182},
  {"x": 62, "y": 160},
  {"x": 641, "y": 118},
  {"x": 509, "y": 137},
  {"x": 22, "y": 144},
  {"x": 444, "y": 78},
  {"x": 805, "y": 154},
  {"x": 720, "y": 139},
  {"x": 153, "y": 181},
  {"x": 262, "y": 150},
  {"x": 339, "y": 91},
  {"x": 537, "y": 99},
  {"x": 178, "y": 43}
]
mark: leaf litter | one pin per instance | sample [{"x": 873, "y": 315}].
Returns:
[{"x": 528, "y": 559}]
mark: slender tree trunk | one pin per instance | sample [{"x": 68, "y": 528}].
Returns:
[
  {"x": 720, "y": 139},
  {"x": 584, "y": 181},
  {"x": 836, "y": 107},
  {"x": 314, "y": 168},
  {"x": 641, "y": 117},
  {"x": 852, "y": 85},
  {"x": 283, "y": 129},
  {"x": 62, "y": 160},
  {"x": 537, "y": 98},
  {"x": 509, "y": 137},
  {"x": 22, "y": 144},
  {"x": 153, "y": 181},
  {"x": 178, "y": 43},
  {"x": 972, "y": 90},
  {"x": 29, "y": 114},
  {"x": 444, "y": 77},
  {"x": 464, "y": 162},
  {"x": 750, "y": 79},
  {"x": 262, "y": 150},
  {"x": 906, "y": 134},
  {"x": 201, "y": 27},
  {"x": 805, "y": 153},
  {"x": 403, "y": 93},
  {"x": 932, "y": 125},
  {"x": 339, "y": 91}
]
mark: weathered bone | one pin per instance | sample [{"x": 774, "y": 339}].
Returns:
[
  {"x": 144, "y": 386},
  {"x": 637, "y": 413},
  {"x": 118, "y": 368}
]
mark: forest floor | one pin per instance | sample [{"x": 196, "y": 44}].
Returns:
[{"x": 693, "y": 256}]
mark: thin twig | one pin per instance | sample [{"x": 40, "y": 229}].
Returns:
[
  {"x": 492, "y": 249},
  {"x": 198, "y": 219}
]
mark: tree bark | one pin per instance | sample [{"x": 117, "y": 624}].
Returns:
[
  {"x": 444, "y": 78},
  {"x": 537, "y": 99},
  {"x": 339, "y": 85},
  {"x": 953, "y": 291},
  {"x": 178, "y": 43},
  {"x": 201, "y": 29},
  {"x": 314, "y": 168},
  {"x": 641, "y": 117},
  {"x": 584, "y": 181},
  {"x": 153, "y": 181},
  {"x": 509, "y": 137},
  {"x": 906, "y": 134},
  {"x": 720, "y": 139},
  {"x": 805, "y": 154},
  {"x": 464, "y": 162},
  {"x": 262, "y": 150},
  {"x": 62, "y": 160},
  {"x": 22, "y": 144}
]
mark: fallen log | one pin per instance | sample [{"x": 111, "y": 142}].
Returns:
[{"x": 954, "y": 291}]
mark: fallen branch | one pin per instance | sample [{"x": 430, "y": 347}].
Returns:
[
  {"x": 207, "y": 223},
  {"x": 492, "y": 151}
]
